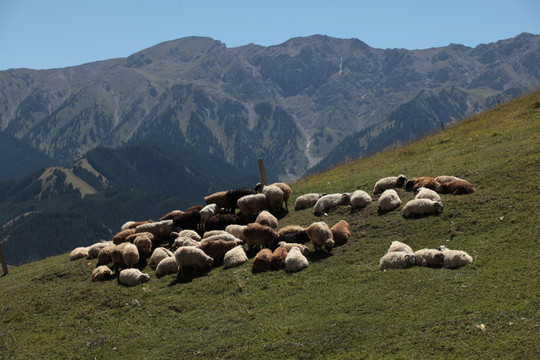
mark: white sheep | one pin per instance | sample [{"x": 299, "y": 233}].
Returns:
[
  {"x": 359, "y": 199},
  {"x": 274, "y": 197},
  {"x": 132, "y": 277},
  {"x": 234, "y": 257},
  {"x": 213, "y": 233},
  {"x": 130, "y": 255},
  {"x": 331, "y": 201},
  {"x": 206, "y": 212},
  {"x": 192, "y": 257},
  {"x": 306, "y": 201},
  {"x": 398, "y": 246},
  {"x": 159, "y": 254},
  {"x": 455, "y": 258},
  {"x": 190, "y": 233},
  {"x": 389, "y": 182},
  {"x": 236, "y": 231},
  {"x": 429, "y": 257},
  {"x": 250, "y": 205},
  {"x": 389, "y": 200},
  {"x": 144, "y": 245},
  {"x": 320, "y": 235},
  {"x": 266, "y": 218},
  {"x": 422, "y": 207},
  {"x": 94, "y": 249},
  {"x": 396, "y": 260},
  {"x": 160, "y": 229},
  {"x": 425, "y": 193},
  {"x": 184, "y": 241},
  {"x": 78, "y": 253},
  {"x": 167, "y": 266},
  {"x": 446, "y": 178},
  {"x": 295, "y": 261},
  {"x": 288, "y": 246}
]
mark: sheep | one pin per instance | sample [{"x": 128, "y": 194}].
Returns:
[
  {"x": 389, "y": 182},
  {"x": 217, "y": 248},
  {"x": 94, "y": 249},
  {"x": 425, "y": 181},
  {"x": 193, "y": 258},
  {"x": 290, "y": 238},
  {"x": 274, "y": 198},
  {"x": 258, "y": 235},
  {"x": 287, "y": 192},
  {"x": 398, "y": 246},
  {"x": 117, "y": 256},
  {"x": 277, "y": 262},
  {"x": 329, "y": 202},
  {"x": 388, "y": 201},
  {"x": 102, "y": 273},
  {"x": 396, "y": 260},
  {"x": 265, "y": 218},
  {"x": 320, "y": 235},
  {"x": 190, "y": 233},
  {"x": 429, "y": 258},
  {"x": 104, "y": 255},
  {"x": 132, "y": 277},
  {"x": 222, "y": 235},
  {"x": 234, "y": 257},
  {"x": 250, "y": 205},
  {"x": 130, "y": 255},
  {"x": 219, "y": 198},
  {"x": 295, "y": 261},
  {"x": 78, "y": 253},
  {"x": 236, "y": 230},
  {"x": 445, "y": 178},
  {"x": 171, "y": 215},
  {"x": 340, "y": 232},
  {"x": 288, "y": 246},
  {"x": 261, "y": 261},
  {"x": 184, "y": 241},
  {"x": 188, "y": 220},
  {"x": 291, "y": 229},
  {"x": 131, "y": 238},
  {"x": 457, "y": 187},
  {"x": 422, "y": 207},
  {"x": 359, "y": 199},
  {"x": 455, "y": 258},
  {"x": 221, "y": 221},
  {"x": 161, "y": 230},
  {"x": 206, "y": 212},
  {"x": 134, "y": 224},
  {"x": 144, "y": 245},
  {"x": 234, "y": 195},
  {"x": 306, "y": 201},
  {"x": 213, "y": 233},
  {"x": 425, "y": 193},
  {"x": 121, "y": 236},
  {"x": 166, "y": 266},
  {"x": 159, "y": 254}
]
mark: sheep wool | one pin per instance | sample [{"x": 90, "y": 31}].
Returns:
[
  {"x": 132, "y": 277},
  {"x": 78, "y": 253},
  {"x": 306, "y": 201},
  {"x": 206, "y": 212},
  {"x": 425, "y": 181},
  {"x": 219, "y": 198},
  {"x": 396, "y": 260},
  {"x": 340, "y": 232},
  {"x": 189, "y": 257},
  {"x": 190, "y": 233},
  {"x": 288, "y": 246},
  {"x": 159, "y": 254},
  {"x": 289, "y": 229},
  {"x": 101, "y": 273},
  {"x": 457, "y": 187},
  {"x": 94, "y": 249},
  {"x": 359, "y": 199},
  {"x": 455, "y": 258},
  {"x": 425, "y": 193},
  {"x": 259, "y": 235},
  {"x": 277, "y": 262},
  {"x": 389, "y": 182},
  {"x": 160, "y": 230},
  {"x": 171, "y": 215},
  {"x": 144, "y": 245},
  {"x": 104, "y": 255},
  {"x": 234, "y": 257},
  {"x": 121, "y": 236},
  {"x": 117, "y": 256},
  {"x": 130, "y": 255},
  {"x": 262, "y": 260},
  {"x": 446, "y": 178},
  {"x": 295, "y": 261},
  {"x": 287, "y": 192},
  {"x": 320, "y": 235},
  {"x": 429, "y": 258},
  {"x": 389, "y": 200},
  {"x": 329, "y": 202},
  {"x": 167, "y": 266},
  {"x": 398, "y": 246},
  {"x": 274, "y": 197},
  {"x": 422, "y": 207},
  {"x": 251, "y": 205},
  {"x": 236, "y": 230},
  {"x": 265, "y": 218}
]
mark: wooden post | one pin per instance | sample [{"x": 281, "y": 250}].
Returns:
[
  {"x": 3, "y": 260},
  {"x": 263, "y": 172}
]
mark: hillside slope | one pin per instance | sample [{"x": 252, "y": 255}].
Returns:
[{"x": 341, "y": 306}]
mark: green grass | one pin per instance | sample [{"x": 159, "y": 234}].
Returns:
[{"x": 341, "y": 306}]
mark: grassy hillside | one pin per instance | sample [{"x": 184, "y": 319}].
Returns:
[{"x": 342, "y": 306}]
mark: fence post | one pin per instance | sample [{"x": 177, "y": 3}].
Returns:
[
  {"x": 263, "y": 172},
  {"x": 3, "y": 260}
]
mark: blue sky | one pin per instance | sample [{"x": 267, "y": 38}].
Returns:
[{"x": 47, "y": 34}]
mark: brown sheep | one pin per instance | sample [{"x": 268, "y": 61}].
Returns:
[
  {"x": 289, "y": 229},
  {"x": 320, "y": 235},
  {"x": 217, "y": 249},
  {"x": 117, "y": 256},
  {"x": 258, "y": 235},
  {"x": 121, "y": 236},
  {"x": 265, "y": 218},
  {"x": 104, "y": 255},
  {"x": 457, "y": 187},
  {"x": 101, "y": 273},
  {"x": 277, "y": 262},
  {"x": 131, "y": 238},
  {"x": 219, "y": 198},
  {"x": 341, "y": 232},
  {"x": 130, "y": 255},
  {"x": 171, "y": 215},
  {"x": 144, "y": 245},
  {"x": 262, "y": 260},
  {"x": 134, "y": 224},
  {"x": 425, "y": 181},
  {"x": 287, "y": 192}
]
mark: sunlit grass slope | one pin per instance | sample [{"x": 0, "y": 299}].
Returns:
[{"x": 342, "y": 306}]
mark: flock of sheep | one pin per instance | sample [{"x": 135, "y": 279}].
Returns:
[{"x": 202, "y": 237}]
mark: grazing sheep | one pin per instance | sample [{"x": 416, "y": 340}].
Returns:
[
  {"x": 78, "y": 253},
  {"x": 166, "y": 266},
  {"x": 420, "y": 207},
  {"x": 121, "y": 236},
  {"x": 190, "y": 233},
  {"x": 234, "y": 195},
  {"x": 429, "y": 258},
  {"x": 206, "y": 212},
  {"x": 104, "y": 255},
  {"x": 261, "y": 261},
  {"x": 102, "y": 273},
  {"x": 277, "y": 262},
  {"x": 291, "y": 229},
  {"x": 213, "y": 233},
  {"x": 131, "y": 238},
  {"x": 132, "y": 277},
  {"x": 295, "y": 261},
  {"x": 161, "y": 230},
  {"x": 184, "y": 241},
  {"x": 359, "y": 199},
  {"x": 398, "y": 246},
  {"x": 455, "y": 258},
  {"x": 389, "y": 182},
  {"x": 396, "y": 260},
  {"x": 340, "y": 232},
  {"x": 329, "y": 202},
  {"x": 236, "y": 230},
  {"x": 117, "y": 256},
  {"x": 134, "y": 224},
  {"x": 94, "y": 249},
  {"x": 389, "y": 200},
  {"x": 188, "y": 220},
  {"x": 144, "y": 245},
  {"x": 258, "y": 235},
  {"x": 189, "y": 257},
  {"x": 425, "y": 193},
  {"x": 221, "y": 221},
  {"x": 457, "y": 187},
  {"x": 320, "y": 235},
  {"x": 274, "y": 198},
  {"x": 288, "y": 246},
  {"x": 130, "y": 255},
  {"x": 234, "y": 257},
  {"x": 159, "y": 254},
  {"x": 306, "y": 201},
  {"x": 217, "y": 248},
  {"x": 171, "y": 215},
  {"x": 425, "y": 181},
  {"x": 290, "y": 238},
  {"x": 445, "y": 178},
  {"x": 250, "y": 205},
  {"x": 265, "y": 218},
  {"x": 287, "y": 192},
  {"x": 219, "y": 198}
]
